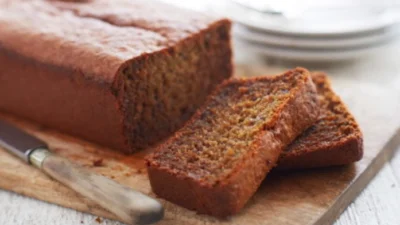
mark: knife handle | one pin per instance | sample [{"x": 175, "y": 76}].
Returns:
[{"x": 130, "y": 206}]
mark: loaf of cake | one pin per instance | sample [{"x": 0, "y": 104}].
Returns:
[
  {"x": 335, "y": 139},
  {"x": 122, "y": 73},
  {"x": 216, "y": 162}
]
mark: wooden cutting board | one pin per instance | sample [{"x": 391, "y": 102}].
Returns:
[{"x": 315, "y": 196}]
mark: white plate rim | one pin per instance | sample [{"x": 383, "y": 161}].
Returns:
[
  {"x": 246, "y": 21},
  {"x": 304, "y": 55},
  {"x": 312, "y": 42}
]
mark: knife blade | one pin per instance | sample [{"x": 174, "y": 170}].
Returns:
[
  {"x": 17, "y": 142},
  {"x": 130, "y": 206}
]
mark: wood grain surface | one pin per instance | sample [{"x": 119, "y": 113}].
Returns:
[{"x": 301, "y": 197}]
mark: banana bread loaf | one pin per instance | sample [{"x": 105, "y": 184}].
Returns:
[
  {"x": 335, "y": 139},
  {"x": 216, "y": 162},
  {"x": 122, "y": 73}
]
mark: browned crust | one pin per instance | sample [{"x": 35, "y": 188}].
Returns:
[
  {"x": 229, "y": 195},
  {"x": 344, "y": 151}
]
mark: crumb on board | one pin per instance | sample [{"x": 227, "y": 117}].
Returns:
[
  {"x": 99, "y": 220},
  {"x": 98, "y": 162},
  {"x": 118, "y": 168}
]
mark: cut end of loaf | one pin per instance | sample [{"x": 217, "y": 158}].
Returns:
[{"x": 162, "y": 90}]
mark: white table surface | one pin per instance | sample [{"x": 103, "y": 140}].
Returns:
[{"x": 379, "y": 203}]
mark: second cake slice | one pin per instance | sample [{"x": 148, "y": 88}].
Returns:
[
  {"x": 335, "y": 139},
  {"x": 217, "y": 161}
]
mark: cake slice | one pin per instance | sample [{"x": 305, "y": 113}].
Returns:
[
  {"x": 335, "y": 139},
  {"x": 216, "y": 162}
]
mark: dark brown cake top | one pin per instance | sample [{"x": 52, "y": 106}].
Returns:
[
  {"x": 335, "y": 124},
  {"x": 217, "y": 137},
  {"x": 96, "y": 36}
]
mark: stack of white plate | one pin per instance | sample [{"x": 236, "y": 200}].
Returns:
[{"x": 312, "y": 34}]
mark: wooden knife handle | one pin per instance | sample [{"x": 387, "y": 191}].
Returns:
[{"x": 130, "y": 206}]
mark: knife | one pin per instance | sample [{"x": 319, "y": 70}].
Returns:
[{"x": 130, "y": 206}]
